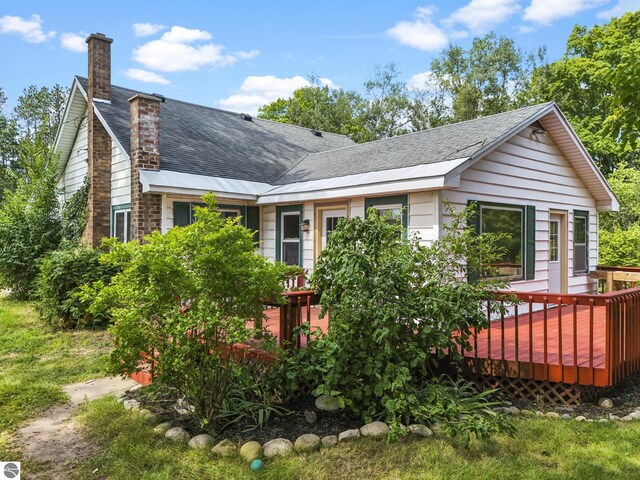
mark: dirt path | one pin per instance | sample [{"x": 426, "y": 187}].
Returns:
[{"x": 53, "y": 438}]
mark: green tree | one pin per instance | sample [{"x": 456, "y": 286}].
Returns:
[
  {"x": 322, "y": 108},
  {"x": 591, "y": 84},
  {"x": 8, "y": 146},
  {"x": 29, "y": 220},
  {"x": 39, "y": 111},
  {"x": 492, "y": 76}
]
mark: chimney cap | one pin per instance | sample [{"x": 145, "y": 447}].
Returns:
[
  {"x": 99, "y": 36},
  {"x": 145, "y": 96}
]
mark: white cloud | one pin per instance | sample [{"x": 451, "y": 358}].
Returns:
[
  {"x": 146, "y": 76},
  {"x": 619, "y": 9},
  {"x": 420, "y": 80},
  {"x": 30, "y": 30},
  {"x": 421, "y": 33},
  {"x": 545, "y": 12},
  {"x": 480, "y": 16},
  {"x": 76, "y": 42},
  {"x": 256, "y": 91},
  {"x": 146, "y": 29},
  {"x": 175, "y": 51}
]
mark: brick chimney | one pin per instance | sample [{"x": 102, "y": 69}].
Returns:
[
  {"x": 146, "y": 208},
  {"x": 98, "y": 223}
]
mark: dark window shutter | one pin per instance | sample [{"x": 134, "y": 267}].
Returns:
[
  {"x": 530, "y": 253},
  {"x": 474, "y": 223},
  {"x": 252, "y": 221},
  {"x": 181, "y": 214}
]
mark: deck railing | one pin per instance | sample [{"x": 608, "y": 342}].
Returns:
[
  {"x": 611, "y": 279},
  {"x": 294, "y": 313},
  {"x": 584, "y": 339}
]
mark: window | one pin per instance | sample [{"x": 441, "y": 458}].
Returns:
[
  {"x": 288, "y": 234},
  {"x": 580, "y": 241},
  {"x": 395, "y": 206},
  {"x": 121, "y": 223},
  {"x": 554, "y": 236},
  {"x": 184, "y": 214},
  {"x": 509, "y": 222}
]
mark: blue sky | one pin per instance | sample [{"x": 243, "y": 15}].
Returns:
[{"x": 239, "y": 55}]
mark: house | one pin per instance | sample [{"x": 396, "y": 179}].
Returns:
[{"x": 149, "y": 159}]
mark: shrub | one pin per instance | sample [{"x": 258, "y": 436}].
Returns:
[
  {"x": 184, "y": 298},
  {"x": 395, "y": 306},
  {"x": 58, "y": 286},
  {"x": 29, "y": 220},
  {"x": 74, "y": 214}
]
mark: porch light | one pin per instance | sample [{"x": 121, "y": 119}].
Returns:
[{"x": 305, "y": 226}]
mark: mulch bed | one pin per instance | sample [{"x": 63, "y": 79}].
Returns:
[{"x": 290, "y": 426}]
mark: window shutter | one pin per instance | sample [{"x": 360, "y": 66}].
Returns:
[
  {"x": 530, "y": 253},
  {"x": 474, "y": 223},
  {"x": 181, "y": 214},
  {"x": 253, "y": 221}
]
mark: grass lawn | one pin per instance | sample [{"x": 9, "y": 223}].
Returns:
[
  {"x": 542, "y": 449},
  {"x": 35, "y": 361}
]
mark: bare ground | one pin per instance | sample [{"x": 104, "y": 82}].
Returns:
[{"x": 53, "y": 439}]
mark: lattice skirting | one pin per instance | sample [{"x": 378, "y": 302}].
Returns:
[{"x": 536, "y": 390}]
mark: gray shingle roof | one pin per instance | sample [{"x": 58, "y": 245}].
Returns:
[
  {"x": 449, "y": 142},
  {"x": 208, "y": 141}
]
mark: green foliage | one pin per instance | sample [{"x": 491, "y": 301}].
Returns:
[
  {"x": 620, "y": 247},
  {"x": 39, "y": 111},
  {"x": 29, "y": 221},
  {"x": 395, "y": 306},
  {"x": 74, "y": 214},
  {"x": 491, "y": 77},
  {"x": 58, "y": 286},
  {"x": 625, "y": 183},
  {"x": 184, "y": 298},
  {"x": 591, "y": 84}
]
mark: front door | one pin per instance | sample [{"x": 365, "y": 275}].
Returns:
[
  {"x": 555, "y": 254},
  {"x": 330, "y": 219}
]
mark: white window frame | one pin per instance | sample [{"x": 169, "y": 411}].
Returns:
[
  {"x": 284, "y": 240},
  {"x": 127, "y": 214}
]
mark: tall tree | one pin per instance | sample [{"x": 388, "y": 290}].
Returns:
[
  {"x": 320, "y": 107},
  {"x": 593, "y": 86},
  {"x": 492, "y": 76},
  {"x": 8, "y": 147},
  {"x": 39, "y": 112}
]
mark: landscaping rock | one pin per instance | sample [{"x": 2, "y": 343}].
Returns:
[
  {"x": 225, "y": 448},
  {"x": 374, "y": 430},
  {"x": 307, "y": 443},
  {"x": 613, "y": 418},
  {"x": 514, "y": 410},
  {"x": 280, "y": 447},
  {"x": 420, "y": 430},
  {"x": 606, "y": 420},
  {"x": 148, "y": 415},
  {"x": 162, "y": 428},
  {"x": 626, "y": 418},
  {"x": 131, "y": 404},
  {"x": 605, "y": 403},
  {"x": 122, "y": 399},
  {"x": 329, "y": 440},
  {"x": 637, "y": 409},
  {"x": 135, "y": 388},
  {"x": 634, "y": 414},
  {"x": 564, "y": 410},
  {"x": 539, "y": 413},
  {"x": 566, "y": 416},
  {"x": 436, "y": 428},
  {"x": 202, "y": 441},
  {"x": 552, "y": 415},
  {"x": 349, "y": 435},
  {"x": 310, "y": 417},
  {"x": 581, "y": 418},
  {"x": 527, "y": 413},
  {"x": 251, "y": 451},
  {"x": 178, "y": 434},
  {"x": 327, "y": 403}
]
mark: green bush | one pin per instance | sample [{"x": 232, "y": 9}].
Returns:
[
  {"x": 184, "y": 298},
  {"x": 29, "y": 219},
  {"x": 58, "y": 286},
  {"x": 395, "y": 306},
  {"x": 620, "y": 247}
]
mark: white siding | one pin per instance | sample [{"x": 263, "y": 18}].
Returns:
[
  {"x": 268, "y": 231},
  {"x": 423, "y": 213},
  {"x": 526, "y": 171},
  {"x": 76, "y": 169},
  {"x": 120, "y": 176}
]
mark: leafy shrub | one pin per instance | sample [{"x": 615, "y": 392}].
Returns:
[
  {"x": 74, "y": 214},
  {"x": 620, "y": 247},
  {"x": 58, "y": 287},
  {"x": 183, "y": 298},
  {"x": 395, "y": 306},
  {"x": 29, "y": 219}
]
